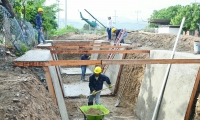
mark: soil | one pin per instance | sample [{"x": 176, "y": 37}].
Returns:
[
  {"x": 94, "y": 112},
  {"x": 23, "y": 95}
]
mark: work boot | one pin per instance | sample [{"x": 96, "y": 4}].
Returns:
[
  {"x": 81, "y": 78},
  {"x": 90, "y": 103}
]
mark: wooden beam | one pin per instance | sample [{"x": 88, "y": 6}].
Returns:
[
  {"x": 152, "y": 61},
  {"x": 79, "y": 47},
  {"x": 79, "y": 43},
  {"x": 97, "y": 51},
  {"x": 50, "y": 84},
  {"x": 192, "y": 97},
  {"x": 104, "y": 62}
]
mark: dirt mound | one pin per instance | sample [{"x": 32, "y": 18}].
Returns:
[
  {"x": 94, "y": 112},
  {"x": 162, "y": 41},
  {"x": 22, "y": 95},
  {"x": 69, "y": 36}
]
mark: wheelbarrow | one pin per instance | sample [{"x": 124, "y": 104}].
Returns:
[{"x": 94, "y": 117}]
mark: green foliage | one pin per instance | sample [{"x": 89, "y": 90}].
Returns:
[
  {"x": 176, "y": 14},
  {"x": 192, "y": 15},
  {"x": 1, "y": 41},
  {"x": 31, "y": 7},
  {"x": 23, "y": 49},
  {"x": 62, "y": 31},
  {"x": 165, "y": 13}
]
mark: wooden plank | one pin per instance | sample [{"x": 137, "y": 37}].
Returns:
[
  {"x": 80, "y": 43},
  {"x": 151, "y": 61},
  {"x": 110, "y": 62},
  {"x": 97, "y": 51},
  {"x": 79, "y": 47},
  {"x": 50, "y": 84},
  {"x": 192, "y": 97}
]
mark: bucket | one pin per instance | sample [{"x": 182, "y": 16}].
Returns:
[{"x": 196, "y": 47}]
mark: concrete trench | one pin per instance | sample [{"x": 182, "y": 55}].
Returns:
[{"x": 177, "y": 92}]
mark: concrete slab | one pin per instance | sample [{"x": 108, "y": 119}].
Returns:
[
  {"x": 35, "y": 55},
  {"x": 177, "y": 91},
  {"x": 80, "y": 88},
  {"x": 74, "y": 71}
]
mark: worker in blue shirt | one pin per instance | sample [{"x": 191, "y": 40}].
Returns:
[
  {"x": 84, "y": 67},
  {"x": 95, "y": 84},
  {"x": 117, "y": 31},
  {"x": 39, "y": 26}
]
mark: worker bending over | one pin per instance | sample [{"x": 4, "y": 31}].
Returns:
[
  {"x": 117, "y": 31},
  {"x": 95, "y": 84}
]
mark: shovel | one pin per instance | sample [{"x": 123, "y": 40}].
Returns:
[
  {"x": 121, "y": 94},
  {"x": 102, "y": 89}
]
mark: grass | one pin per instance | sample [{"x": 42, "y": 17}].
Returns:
[{"x": 62, "y": 31}]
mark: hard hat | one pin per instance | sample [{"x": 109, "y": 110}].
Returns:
[
  {"x": 97, "y": 70},
  {"x": 113, "y": 30},
  {"x": 40, "y": 10}
]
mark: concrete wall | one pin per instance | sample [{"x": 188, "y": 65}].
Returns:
[
  {"x": 45, "y": 55},
  {"x": 95, "y": 56},
  {"x": 177, "y": 92}
]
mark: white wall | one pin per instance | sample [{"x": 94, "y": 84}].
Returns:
[
  {"x": 168, "y": 30},
  {"x": 173, "y": 30},
  {"x": 163, "y": 30}
]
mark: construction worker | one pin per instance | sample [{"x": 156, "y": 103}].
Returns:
[
  {"x": 109, "y": 27},
  {"x": 84, "y": 67},
  {"x": 96, "y": 83},
  {"x": 117, "y": 31},
  {"x": 39, "y": 26}
]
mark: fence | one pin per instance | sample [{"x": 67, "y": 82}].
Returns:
[{"x": 16, "y": 32}]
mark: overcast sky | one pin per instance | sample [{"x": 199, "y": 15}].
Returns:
[{"x": 126, "y": 10}]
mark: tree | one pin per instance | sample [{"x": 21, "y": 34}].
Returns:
[
  {"x": 49, "y": 15},
  {"x": 192, "y": 15},
  {"x": 165, "y": 13},
  {"x": 7, "y": 5}
]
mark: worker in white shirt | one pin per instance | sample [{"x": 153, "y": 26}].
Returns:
[{"x": 109, "y": 27}]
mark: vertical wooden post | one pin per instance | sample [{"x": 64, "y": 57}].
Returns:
[
  {"x": 50, "y": 84},
  {"x": 194, "y": 91}
]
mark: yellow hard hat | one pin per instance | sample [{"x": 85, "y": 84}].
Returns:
[
  {"x": 40, "y": 10},
  {"x": 113, "y": 30},
  {"x": 97, "y": 70}
]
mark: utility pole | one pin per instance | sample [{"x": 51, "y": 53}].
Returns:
[
  {"x": 137, "y": 18},
  {"x": 58, "y": 15},
  {"x": 66, "y": 13},
  {"x": 115, "y": 19}
]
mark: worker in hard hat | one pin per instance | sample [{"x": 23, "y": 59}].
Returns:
[
  {"x": 39, "y": 26},
  {"x": 95, "y": 84},
  {"x": 117, "y": 31},
  {"x": 84, "y": 67}
]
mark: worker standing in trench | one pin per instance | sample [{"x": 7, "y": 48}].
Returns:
[
  {"x": 95, "y": 84},
  {"x": 84, "y": 67}
]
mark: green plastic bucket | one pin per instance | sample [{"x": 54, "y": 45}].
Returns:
[{"x": 92, "y": 117}]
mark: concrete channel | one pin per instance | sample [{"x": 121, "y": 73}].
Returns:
[{"x": 177, "y": 92}]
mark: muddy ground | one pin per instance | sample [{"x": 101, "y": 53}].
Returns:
[{"x": 23, "y": 95}]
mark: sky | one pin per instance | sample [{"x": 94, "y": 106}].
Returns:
[{"x": 135, "y": 11}]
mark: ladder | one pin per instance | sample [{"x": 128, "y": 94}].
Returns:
[{"x": 116, "y": 43}]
